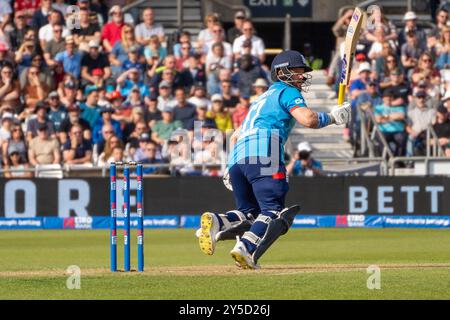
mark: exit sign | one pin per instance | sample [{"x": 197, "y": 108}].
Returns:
[{"x": 279, "y": 8}]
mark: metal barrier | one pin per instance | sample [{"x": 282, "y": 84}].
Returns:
[{"x": 427, "y": 161}]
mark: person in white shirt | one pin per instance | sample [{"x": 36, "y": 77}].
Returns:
[
  {"x": 219, "y": 37},
  {"x": 148, "y": 28},
  {"x": 5, "y": 13},
  {"x": 258, "y": 46},
  {"x": 46, "y": 32},
  {"x": 206, "y": 36}
]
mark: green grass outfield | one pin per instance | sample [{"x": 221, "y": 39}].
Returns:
[{"x": 304, "y": 264}]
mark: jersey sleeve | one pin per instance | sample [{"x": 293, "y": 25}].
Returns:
[{"x": 291, "y": 99}]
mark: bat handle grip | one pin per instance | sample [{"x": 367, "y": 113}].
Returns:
[{"x": 341, "y": 94}]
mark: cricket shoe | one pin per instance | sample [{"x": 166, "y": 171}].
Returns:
[
  {"x": 242, "y": 257},
  {"x": 209, "y": 227}
]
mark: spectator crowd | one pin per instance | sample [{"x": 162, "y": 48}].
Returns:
[
  {"x": 89, "y": 86},
  {"x": 401, "y": 74}
]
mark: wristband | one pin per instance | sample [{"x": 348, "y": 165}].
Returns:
[{"x": 324, "y": 119}]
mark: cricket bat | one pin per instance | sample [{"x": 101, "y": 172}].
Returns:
[{"x": 351, "y": 39}]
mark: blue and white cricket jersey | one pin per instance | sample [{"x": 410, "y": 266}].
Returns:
[{"x": 269, "y": 119}]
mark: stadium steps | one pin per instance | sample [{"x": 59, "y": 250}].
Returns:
[
  {"x": 165, "y": 12},
  {"x": 328, "y": 143}
]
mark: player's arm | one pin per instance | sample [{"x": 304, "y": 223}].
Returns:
[{"x": 316, "y": 120}]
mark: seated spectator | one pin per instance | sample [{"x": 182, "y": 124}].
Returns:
[
  {"x": 194, "y": 74},
  {"x": 122, "y": 48},
  {"x": 70, "y": 58},
  {"x": 202, "y": 121},
  {"x": 73, "y": 112},
  {"x": 43, "y": 148},
  {"x": 39, "y": 120},
  {"x": 260, "y": 86},
  {"x": 109, "y": 154},
  {"x": 9, "y": 88},
  {"x": 107, "y": 131},
  {"x": 40, "y": 12},
  {"x": 57, "y": 112},
  {"x": 94, "y": 59},
  {"x": 163, "y": 129},
  {"x": 410, "y": 19},
  {"x": 399, "y": 87},
  {"x": 15, "y": 143},
  {"x": 77, "y": 150},
  {"x": 442, "y": 129},
  {"x": 88, "y": 30},
  {"x": 149, "y": 157},
  {"x": 139, "y": 153},
  {"x": 391, "y": 122},
  {"x": 240, "y": 111},
  {"x": 199, "y": 96},
  {"x": 128, "y": 80},
  {"x": 383, "y": 72},
  {"x": 183, "y": 111},
  {"x": 134, "y": 62},
  {"x": 34, "y": 90},
  {"x": 15, "y": 166},
  {"x": 443, "y": 50},
  {"x": 154, "y": 52},
  {"x": 54, "y": 46},
  {"x": 152, "y": 114},
  {"x": 426, "y": 73},
  {"x": 133, "y": 129},
  {"x": 165, "y": 98},
  {"x": 221, "y": 117},
  {"x": 6, "y": 56},
  {"x": 303, "y": 164},
  {"x": 418, "y": 121},
  {"x": 410, "y": 53},
  {"x": 17, "y": 33},
  {"x": 206, "y": 36},
  {"x": 6, "y": 125},
  {"x": 134, "y": 99},
  {"x": 314, "y": 62},
  {"x": 247, "y": 74},
  {"x": 214, "y": 63},
  {"x": 230, "y": 100},
  {"x": 148, "y": 28},
  {"x": 155, "y": 74},
  {"x": 112, "y": 31},
  {"x": 441, "y": 23},
  {"x": 258, "y": 46},
  {"x": 68, "y": 91},
  {"x": 106, "y": 121},
  {"x": 184, "y": 38},
  {"x": 219, "y": 38},
  {"x": 90, "y": 110},
  {"x": 121, "y": 114},
  {"x": 183, "y": 57},
  {"x": 46, "y": 33},
  {"x": 236, "y": 31},
  {"x": 370, "y": 98}
]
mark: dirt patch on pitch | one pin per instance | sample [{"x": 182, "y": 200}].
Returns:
[{"x": 225, "y": 270}]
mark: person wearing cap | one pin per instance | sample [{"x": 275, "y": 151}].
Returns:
[
  {"x": 134, "y": 99},
  {"x": 44, "y": 149},
  {"x": 236, "y": 31},
  {"x": 255, "y": 166},
  {"x": 88, "y": 29},
  {"x": 162, "y": 130},
  {"x": 90, "y": 110},
  {"x": 183, "y": 111},
  {"x": 105, "y": 120},
  {"x": 258, "y": 46},
  {"x": 57, "y": 112},
  {"x": 134, "y": 61},
  {"x": 442, "y": 128},
  {"x": 143, "y": 140},
  {"x": 92, "y": 60},
  {"x": 165, "y": 97},
  {"x": 73, "y": 112},
  {"x": 410, "y": 20},
  {"x": 399, "y": 87},
  {"x": 418, "y": 120},
  {"x": 16, "y": 165},
  {"x": 41, "y": 118},
  {"x": 70, "y": 58},
  {"x": 148, "y": 28},
  {"x": 303, "y": 164},
  {"x": 259, "y": 86},
  {"x": 112, "y": 31},
  {"x": 391, "y": 122},
  {"x": 370, "y": 98},
  {"x": 15, "y": 141},
  {"x": 221, "y": 117},
  {"x": 77, "y": 150}
]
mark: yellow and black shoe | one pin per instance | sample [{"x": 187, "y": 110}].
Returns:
[{"x": 209, "y": 227}]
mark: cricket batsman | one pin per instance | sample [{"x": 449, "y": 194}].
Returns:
[{"x": 256, "y": 171}]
